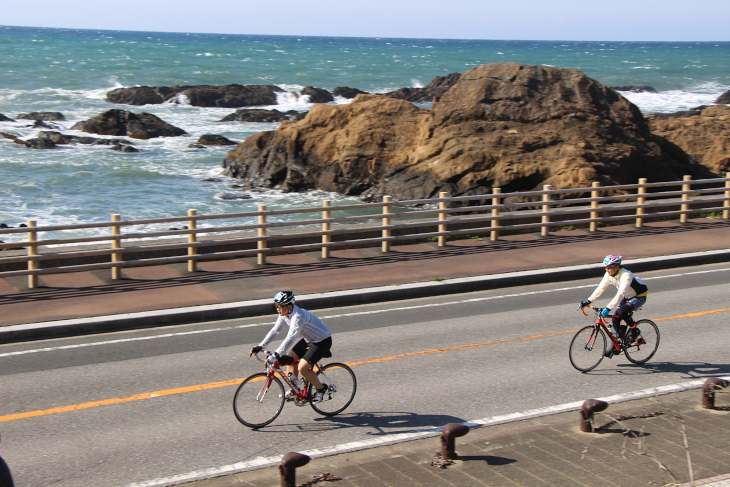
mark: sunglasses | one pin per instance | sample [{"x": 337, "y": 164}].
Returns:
[{"x": 281, "y": 306}]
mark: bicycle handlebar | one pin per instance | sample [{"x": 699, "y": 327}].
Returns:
[
  {"x": 594, "y": 308},
  {"x": 276, "y": 364}
]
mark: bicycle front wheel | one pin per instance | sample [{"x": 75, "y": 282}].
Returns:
[
  {"x": 257, "y": 401},
  {"x": 341, "y": 388},
  {"x": 587, "y": 347},
  {"x": 645, "y": 345}
]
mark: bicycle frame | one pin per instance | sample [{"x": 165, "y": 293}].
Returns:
[
  {"x": 601, "y": 323},
  {"x": 300, "y": 395}
]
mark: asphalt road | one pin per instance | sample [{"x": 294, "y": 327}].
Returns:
[{"x": 119, "y": 408}]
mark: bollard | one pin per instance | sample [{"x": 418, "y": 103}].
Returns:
[
  {"x": 589, "y": 407},
  {"x": 708, "y": 391},
  {"x": 288, "y": 467},
  {"x": 451, "y": 431}
]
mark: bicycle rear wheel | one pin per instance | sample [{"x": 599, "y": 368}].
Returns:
[
  {"x": 645, "y": 345},
  {"x": 586, "y": 349},
  {"x": 257, "y": 403},
  {"x": 341, "y": 388}
]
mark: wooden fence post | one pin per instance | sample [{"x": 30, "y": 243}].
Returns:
[
  {"x": 386, "y": 223},
  {"x": 442, "y": 218},
  {"x": 726, "y": 203},
  {"x": 32, "y": 251},
  {"x": 261, "y": 244},
  {"x": 496, "y": 200},
  {"x": 640, "y": 201},
  {"x": 192, "y": 238},
  {"x": 685, "y": 197},
  {"x": 594, "y": 205},
  {"x": 116, "y": 244},
  {"x": 545, "y": 228},
  {"x": 326, "y": 226}
]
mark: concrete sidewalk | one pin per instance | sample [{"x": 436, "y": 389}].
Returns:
[
  {"x": 158, "y": 295},
  {"x": 637, "y": 443}
]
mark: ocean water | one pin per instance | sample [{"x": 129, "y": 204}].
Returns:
[{"x": 70, "y": 71}]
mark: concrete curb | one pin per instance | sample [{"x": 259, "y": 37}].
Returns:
[{"x": 344, "y": 298}]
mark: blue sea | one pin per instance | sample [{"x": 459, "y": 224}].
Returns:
[{"x": 70, "y": 71}]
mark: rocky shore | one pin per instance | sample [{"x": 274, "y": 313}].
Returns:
[{"x": 500, "y": 125}]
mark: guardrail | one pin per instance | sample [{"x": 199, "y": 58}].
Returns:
[{"x": 436, "y": 218}]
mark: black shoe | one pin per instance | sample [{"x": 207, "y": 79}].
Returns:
[{"x": 608, "y": 353}]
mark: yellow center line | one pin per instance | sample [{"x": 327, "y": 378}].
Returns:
[{"x": 225, "y": 383}]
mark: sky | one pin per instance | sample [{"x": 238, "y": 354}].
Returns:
[{"x": 587, "y": 20}]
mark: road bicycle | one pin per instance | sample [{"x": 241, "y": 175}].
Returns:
[
  {"x": 261, "y": 397},
  {"x": 588, "y": 346}
]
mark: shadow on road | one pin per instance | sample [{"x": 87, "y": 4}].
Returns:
[{"x": 389, "y": 423}]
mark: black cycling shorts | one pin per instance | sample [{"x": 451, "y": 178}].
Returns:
[{"x": 312, "y": 352}]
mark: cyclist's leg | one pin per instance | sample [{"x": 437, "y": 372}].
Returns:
[
  {"x": 315, "y": 353},
  {"x": 297, "y": 352},
  {"x": 635, "y": 303},
  {"x": 625, "y": 312}
]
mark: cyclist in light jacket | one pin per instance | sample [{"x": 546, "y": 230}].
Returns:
[
  {"x": 632, "y": 293},
  {"x": 315, "y": 341}
]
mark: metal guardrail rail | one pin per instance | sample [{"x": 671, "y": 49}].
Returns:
[{"x": 441, "y": 218}]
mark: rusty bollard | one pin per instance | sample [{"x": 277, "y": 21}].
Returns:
[
  {"x": 288, "y": 467},
  {"x": 448, "y": 434},
  {"x": 589, "y": 407},
  {"x": 708, "y": 391}
]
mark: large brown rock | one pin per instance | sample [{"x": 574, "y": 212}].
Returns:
[
  {"x": 704, "y": 136},
  {"x": 507, "y": 125},
  {"x": 135, "y": 125}
]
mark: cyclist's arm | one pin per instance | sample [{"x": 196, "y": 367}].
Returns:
[
  {"x": 273, "y": 333},
  {"x": 601, "y": 287},
  {"x": 295, "y": 327}
]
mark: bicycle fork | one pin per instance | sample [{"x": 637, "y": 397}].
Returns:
[{"x": 264, "y": 389}]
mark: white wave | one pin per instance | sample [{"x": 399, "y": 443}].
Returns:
[
  {"x": 416, "y": 83},
  {"x": 292, "y": 101},
  {"x": 677, "y": 100}
]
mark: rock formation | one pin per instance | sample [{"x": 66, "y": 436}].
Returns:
[
  {"x": 50, "y": 139},
  {"x": 42, "y": 116},
  {"x": 3, "y": 118},
  {"x": 135, "y": 125},
  {"x": 262, "y": 116},
  {"x": 346, "y": 92},
  {"x": 507, "y": 125},
  {"x": 317, "y": 95},
  {"x": 705, "y": 136},
  {"x": 437, "y": 87},
  {"x": 229, "y": 96},
  {"x": 214, "y": 139},
  {"x": 724, "y": 98}
]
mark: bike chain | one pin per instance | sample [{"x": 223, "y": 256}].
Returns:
[
  {"x": 323, "y": 477},
  {"x": 630, "y": 416}
]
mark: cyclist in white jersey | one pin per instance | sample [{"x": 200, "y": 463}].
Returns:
[
  {"x": 632, "y": 293},
  {"x": 315, "y": 341}
]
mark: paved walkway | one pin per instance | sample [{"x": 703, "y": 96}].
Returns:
[{"x": 637, "y": 443}]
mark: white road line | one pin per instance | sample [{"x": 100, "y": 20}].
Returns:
[
  {"x": 263, "y": 462},
  {"x": 341, "y": 315}
]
